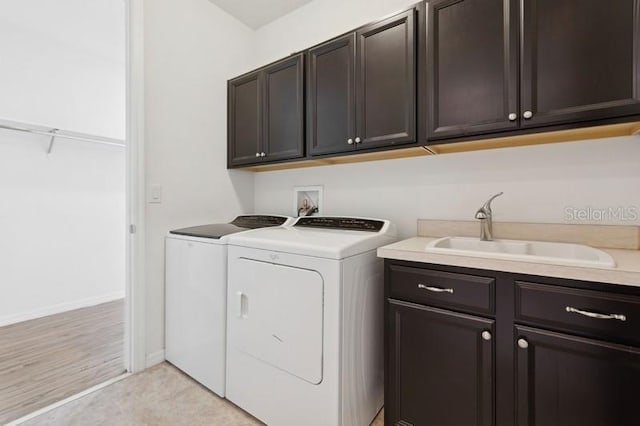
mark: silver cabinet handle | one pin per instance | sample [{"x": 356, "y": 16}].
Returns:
[
  {"x": 619, "y": 317},
  {"x": 435, "y": 289},
  {"x": 257, "y": 154},
  {"x": 523, "y": 344},
  {"x": 358, "y": 140},
  {"x": 513, "y": 116},
  {"x": 262, "y": 154},
  {"x": 527, "y": 114},
  {"x": 350, "y": 141},
  {"x": 486, "y": 335}
]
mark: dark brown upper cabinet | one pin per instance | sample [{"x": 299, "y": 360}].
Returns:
[
  {"x": 580, "y": 60},
  {"x": 569, "y": 61},
  {"x": 443, "y": 71},
  {"x": 244, "y": 111},
  {"x": 331, "y": 104},
  {"x": 386, "y": 82},
  {"x": 471, "y": 67},
  {"x": 266, "y": 114},
  {"x": 362, "y": 88}
]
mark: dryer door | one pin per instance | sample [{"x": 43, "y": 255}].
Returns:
[{"x": 276, "y": 315}]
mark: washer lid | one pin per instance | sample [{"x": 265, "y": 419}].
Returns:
[
  {"x": 320, "y": 240},
  {"x": 239, "y": 224},
  {"x": 213, "y": 231}
]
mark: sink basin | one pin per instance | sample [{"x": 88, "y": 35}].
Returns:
[{"x": 524, "y": 251}]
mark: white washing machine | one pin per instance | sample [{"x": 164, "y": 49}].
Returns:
[
  {"x": 196, "y": 296},
  {"x": 305, "y": 322}
]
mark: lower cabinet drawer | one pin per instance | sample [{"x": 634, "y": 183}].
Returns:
[
  {"x": 442, "y": 289},
  {"x": 601, "y": 314}
]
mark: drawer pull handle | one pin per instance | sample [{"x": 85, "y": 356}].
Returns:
[
  {"x": 619, "y": 317},
  {"x": 435, "y": 289}
]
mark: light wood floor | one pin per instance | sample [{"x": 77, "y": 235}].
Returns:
[
  {"x": 48, "y": 359},
  {"x": 159, "y": 396}
]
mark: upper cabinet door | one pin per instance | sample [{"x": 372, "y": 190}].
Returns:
[
  {"x": 244, "y": 119},
  {"x": 284, "y": 109},
  {"x": 580, "y": 60},
  {"x": 331, "y": 97},
  {"x": 471, "y": 67},
  {"x": 386, "y": 82}
]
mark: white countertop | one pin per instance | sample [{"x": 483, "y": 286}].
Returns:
[{"x": 626, "y": 272}]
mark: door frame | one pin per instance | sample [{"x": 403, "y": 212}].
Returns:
[{"x": 135, "y": 329}]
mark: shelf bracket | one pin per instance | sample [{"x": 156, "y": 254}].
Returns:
[{"x": 54, "y": 133}]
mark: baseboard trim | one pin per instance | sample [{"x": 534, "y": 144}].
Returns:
[
  {"x": 155, "y": 358},
  {"x": 61, "y": 307}
]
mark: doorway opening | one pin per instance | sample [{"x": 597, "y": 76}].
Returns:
[{"x": 65, "y": 181}]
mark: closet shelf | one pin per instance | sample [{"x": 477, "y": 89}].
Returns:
[{"x": 54, "y": 134}]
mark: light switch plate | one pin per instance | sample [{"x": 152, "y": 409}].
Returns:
[{"x": 154, "y": 194}]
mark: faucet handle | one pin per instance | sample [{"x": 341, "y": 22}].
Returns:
[{"x": 487, "y": 205}]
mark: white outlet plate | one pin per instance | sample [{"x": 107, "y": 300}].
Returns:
[{"x": 308, "y": 199}]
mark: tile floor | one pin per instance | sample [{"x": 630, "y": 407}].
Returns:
[{"x": 161, "y": 395}]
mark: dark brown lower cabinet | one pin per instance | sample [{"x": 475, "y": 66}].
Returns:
[
  {"x": 440, "y": 367},
  {"x": 547, "y": 352},
  {"x": 568, "y": 380}
]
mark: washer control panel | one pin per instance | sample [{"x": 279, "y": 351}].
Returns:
[
  {"x": 258, "y": 221},
  {"x": 345, "y": 223}
]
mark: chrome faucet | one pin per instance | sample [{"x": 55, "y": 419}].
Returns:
[{"x": 486, "y": 220}]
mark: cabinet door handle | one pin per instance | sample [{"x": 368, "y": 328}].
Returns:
[
  {"x": 596, "y": 315},
  {"x": 486, "y": 335},
  {"x": 358, "y": 140},
  {"x": 513, "y": 116},
  {"x": 350, "y": 141},
  {"x": 527, "y": 114},
  {"x": 435, "y": 289},
  {"x": 257, "y": 154},
  {"x": 262, "y": 154},
  {"x": 523, "y": 344}
]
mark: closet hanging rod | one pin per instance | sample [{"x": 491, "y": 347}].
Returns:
[{"x": 55, "y": 133}]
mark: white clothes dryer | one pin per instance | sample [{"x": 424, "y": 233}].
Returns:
[{"x": 305, "y": 321}]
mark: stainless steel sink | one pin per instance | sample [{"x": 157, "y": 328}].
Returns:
[{"x": 524, "y": 251}]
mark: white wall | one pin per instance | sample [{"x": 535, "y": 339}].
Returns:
[
  {"x": 191, "y": 49},
  {"x": 62, "y": 226},
  {"x": 539, "y": 182},
  {"x": 63, "y": 64},
  {"x": 317, "y": 22},
  {"x": 62, "y": 216}
]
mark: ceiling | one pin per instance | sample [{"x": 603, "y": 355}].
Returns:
[{"x": 256, "y": 13}]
